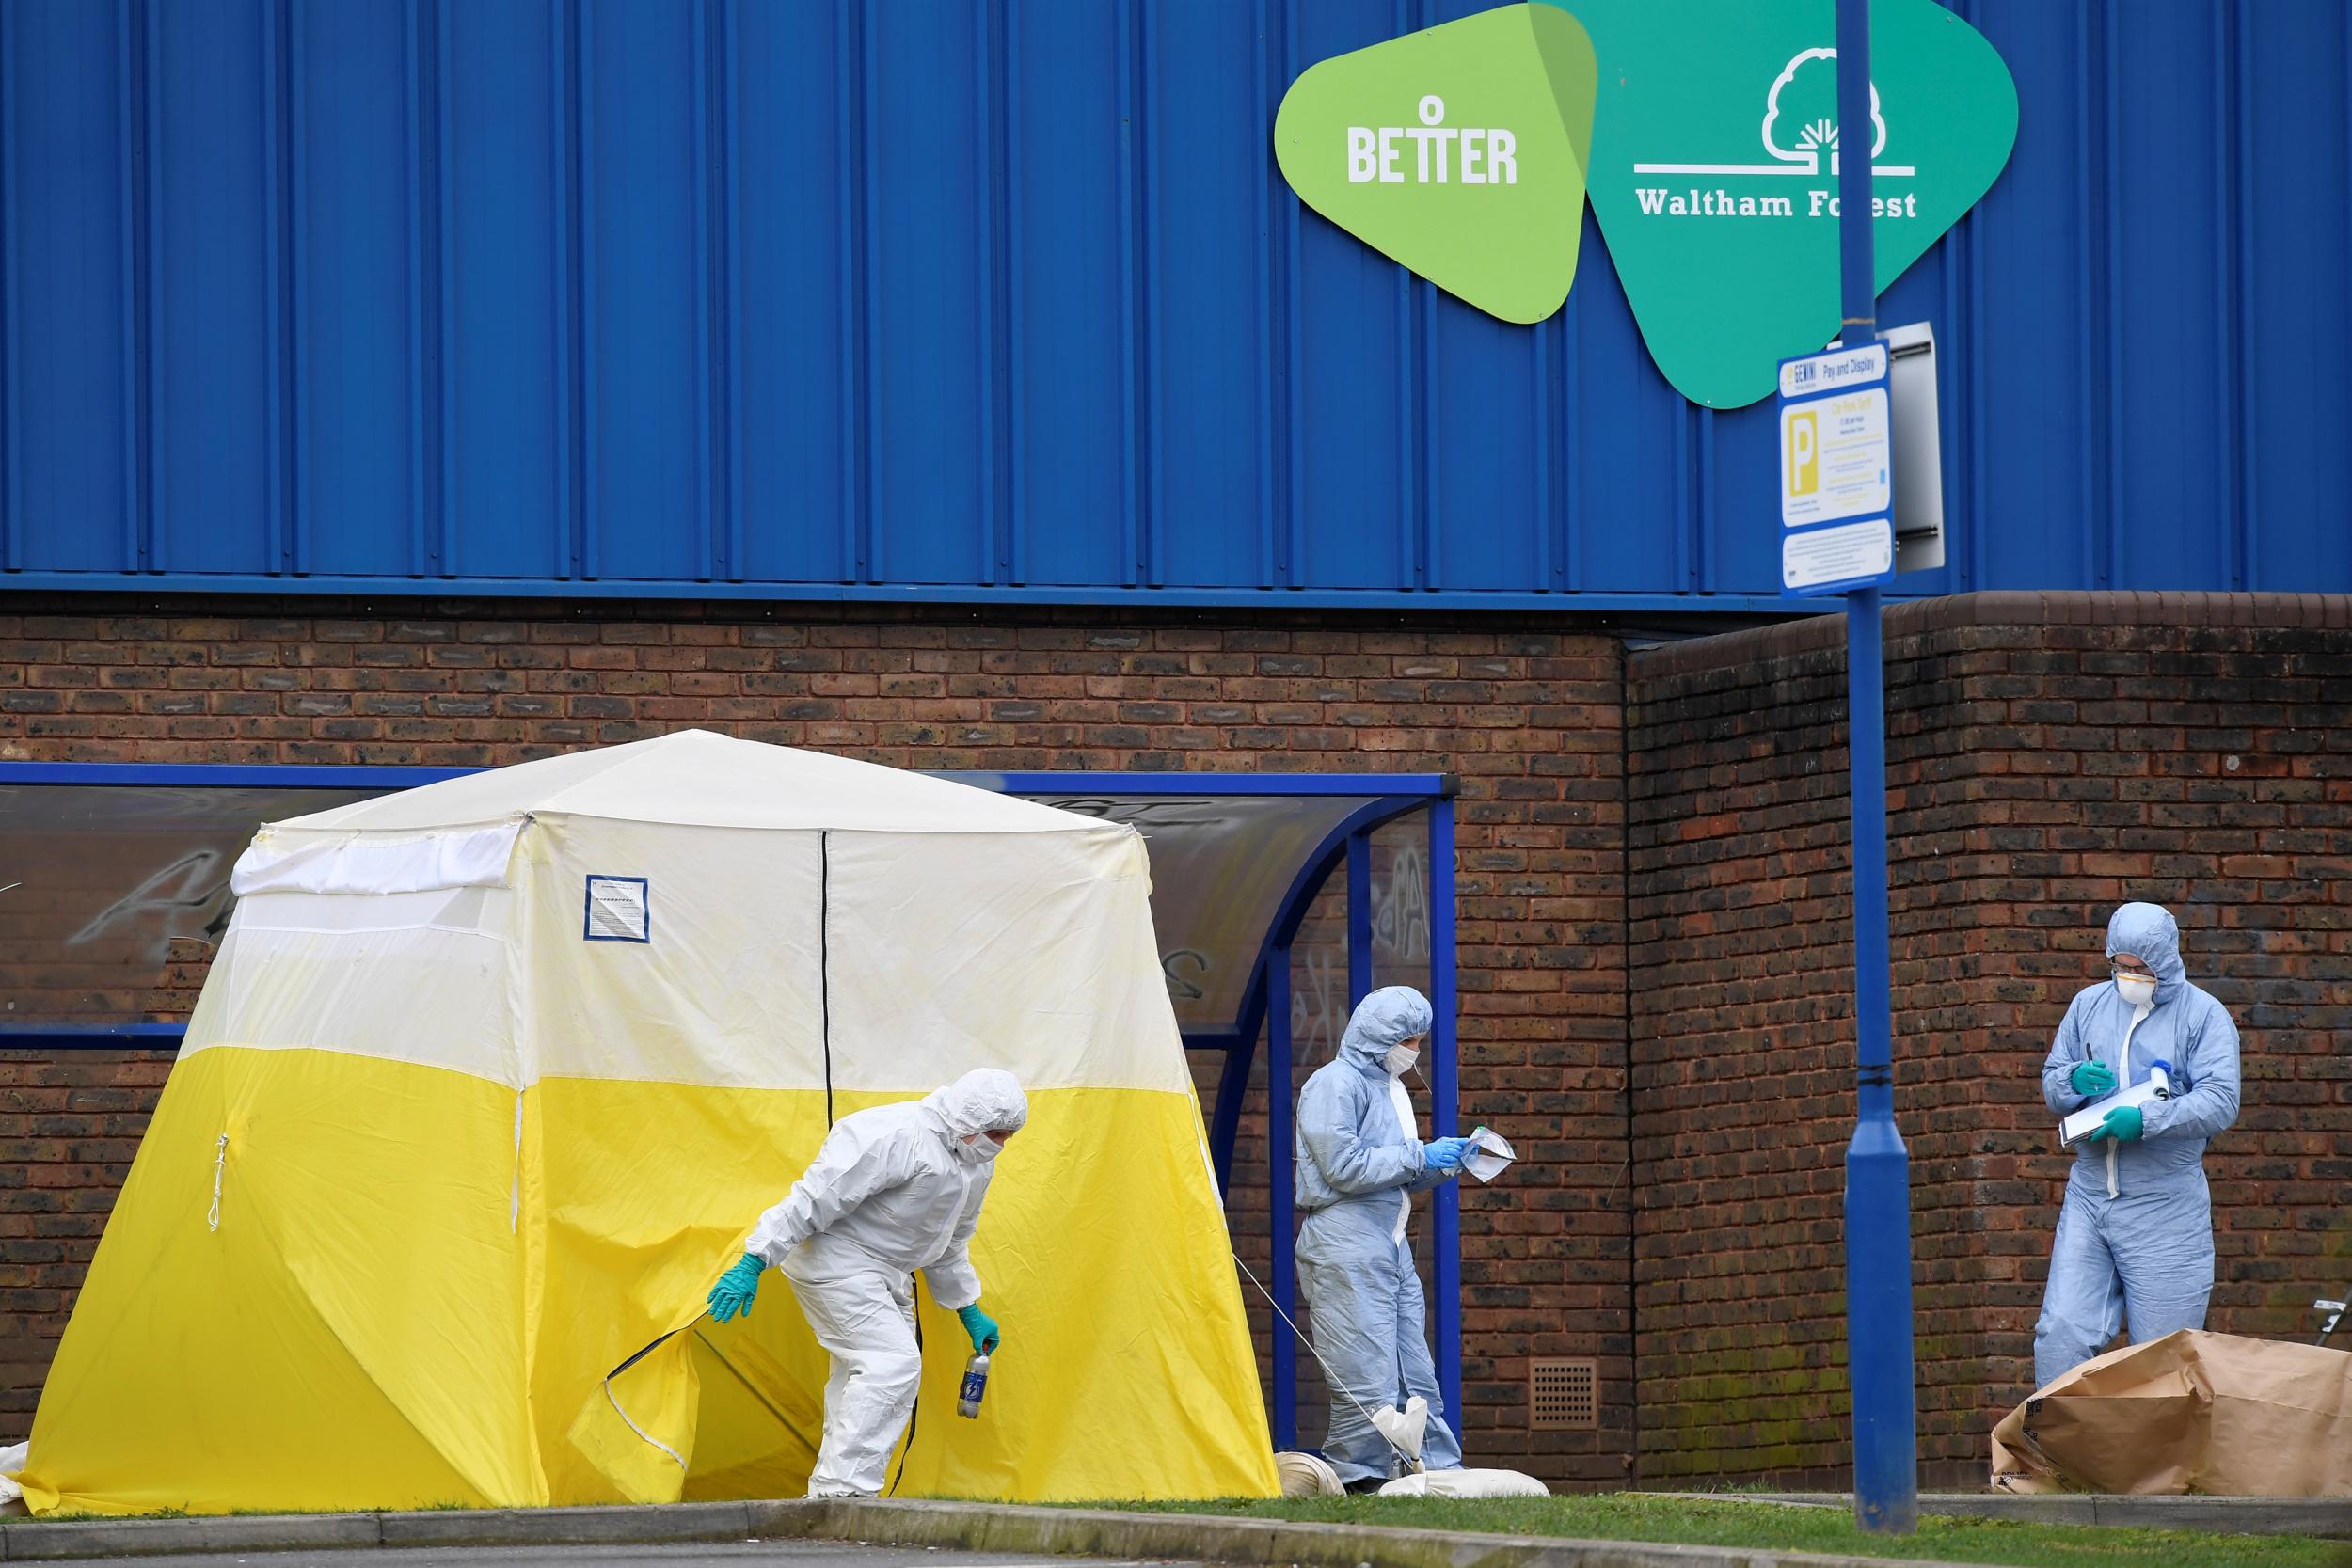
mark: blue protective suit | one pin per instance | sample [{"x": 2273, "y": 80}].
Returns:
[
  {"x": 2134, "y": 1236},
  {"x": 1358, "y": 1169}
]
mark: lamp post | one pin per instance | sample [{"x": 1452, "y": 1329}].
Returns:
[{"x": 1878, "y": 1184}]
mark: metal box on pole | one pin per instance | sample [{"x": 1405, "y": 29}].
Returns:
[{"x": 1918, "y": 447}]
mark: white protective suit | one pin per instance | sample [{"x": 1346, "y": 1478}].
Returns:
[{"x": 893, "y": 1189}]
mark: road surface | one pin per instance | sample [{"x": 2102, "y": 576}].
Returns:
[{"x": 781, "y": 1554}]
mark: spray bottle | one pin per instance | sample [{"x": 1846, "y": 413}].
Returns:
[{"x": 974, "y": 1386}]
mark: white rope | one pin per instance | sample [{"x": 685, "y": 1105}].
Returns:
[
  {"x": 634, "y": 1427},
  {"x": 1329, "y": 1376},
  {"x": 220, "y": 1158}
]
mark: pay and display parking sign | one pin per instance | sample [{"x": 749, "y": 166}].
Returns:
[{"x": 1836, "y": 471}]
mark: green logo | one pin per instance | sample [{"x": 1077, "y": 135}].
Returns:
[
  {"x": 1457, "y": 150},
  {"x": 1707, "y": 137},
  {"x": 1715, "y": 159}
]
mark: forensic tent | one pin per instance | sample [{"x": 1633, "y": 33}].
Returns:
[{"x": 490, "y": 1078}]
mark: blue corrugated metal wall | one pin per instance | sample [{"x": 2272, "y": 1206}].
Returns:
[{"x": 1004, "y": 298}]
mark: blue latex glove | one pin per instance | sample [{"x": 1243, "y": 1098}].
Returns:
[
  {"x": 1446, "y": 1154},
  {"x": 2122, "y": 1124},
  {"x": 2091, "y": 1079},
  {"x": 981, "y": 1327},
  {"x": 737, "y": 1286}
]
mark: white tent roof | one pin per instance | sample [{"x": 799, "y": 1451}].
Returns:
[{"x": 697, "y": 778}]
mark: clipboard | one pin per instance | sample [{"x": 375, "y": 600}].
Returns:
[{"x": 2082, "y": 1123}]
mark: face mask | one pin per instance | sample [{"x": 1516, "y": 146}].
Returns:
[
  {"x": 1398, "y": 1059},
  {"x": 2136, "y": 989}
]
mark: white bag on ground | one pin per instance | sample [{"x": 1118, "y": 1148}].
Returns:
[
  {"x": 1307, "y": 1475},
  {"x": 1406, "y": 1428},
  {"x": 1466, "y": 1483}
]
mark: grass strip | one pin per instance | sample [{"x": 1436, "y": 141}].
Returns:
[{"x": 1730, "y": 1522}]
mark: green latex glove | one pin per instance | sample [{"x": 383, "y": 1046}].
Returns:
[
  {"x": 981, "y": 1327},
  {"x": 737, "y": 1286},
  {"x": 2091, "y": 1079},
  {"x": 2122, "y": 1124}
]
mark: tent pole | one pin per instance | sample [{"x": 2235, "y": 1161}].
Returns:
[
  {"x": 1279, "y": 1187},
  {"x": 1446, "y": 1201}
]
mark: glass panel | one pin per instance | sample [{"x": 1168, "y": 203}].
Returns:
[
  {"x": 99, "y": 879},
  {"x": 1320, "y": 1002},
  {"x": 1399, "y": 902},
  {"x": 108, "y": 876},
  {"x": 1221, "y": 865},
  {"x": 1399, "y": 920}
]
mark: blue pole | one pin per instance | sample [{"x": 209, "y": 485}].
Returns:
[
  {"x": 1446, "y": 1202},
  {"x": 1878, "y": 1178},
  {"x": 1358, "y": 916},
  {"x": 1232, "y": 1087},
  {"x": 1280, "y": 1194}
]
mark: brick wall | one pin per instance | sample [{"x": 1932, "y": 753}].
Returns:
[
  {"x": 1529, "y": 718},
  {"x": 2049, "y": 757}
]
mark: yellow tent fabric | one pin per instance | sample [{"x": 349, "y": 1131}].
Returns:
[{"x": 490, "y": 1078}]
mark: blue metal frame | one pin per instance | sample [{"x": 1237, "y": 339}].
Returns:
[
  {"x": 1256, "y": 1006},
  {"x": 1445, "y": 1200},
  {"x": 1422, "y": 787},
  {"x": 799, "y": 592},
  {"x": 1265, "y": 1000},
  {"x": 1358, "y": 915},
  {"x": 225, "y": 775},
  {"x": 1280, "y": 1184},
  {"x": 92, "y": 1037}
]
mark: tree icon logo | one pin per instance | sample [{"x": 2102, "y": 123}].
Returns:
[
  {"x": 1801, "y": 124},
  {"x": 1816, "y": 131}
]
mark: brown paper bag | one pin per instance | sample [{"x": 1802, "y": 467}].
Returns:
[{"x": 2191, "y": 1411}]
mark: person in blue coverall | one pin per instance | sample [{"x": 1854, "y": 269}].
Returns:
[
  {"x": 1359, "y": 1166},
  {"x": 2134, "y": 1236}
]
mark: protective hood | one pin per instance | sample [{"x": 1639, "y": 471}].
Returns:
[
  {"x": 1390, "y": 1016},
  {"x": 2147, "y": 931},
  {"x": 986, "y": 1099}
]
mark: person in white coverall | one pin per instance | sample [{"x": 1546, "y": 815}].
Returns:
[
  {"x": 893, "y": 1189},
  {"x": 1359, "y": 1164}
]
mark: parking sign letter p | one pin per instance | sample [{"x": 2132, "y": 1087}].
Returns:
[{"x": 1802, "y": 457}]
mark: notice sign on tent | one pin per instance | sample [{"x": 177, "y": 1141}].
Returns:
[{"x": 1836, "y": 471}]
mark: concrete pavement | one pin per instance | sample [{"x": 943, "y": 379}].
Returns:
[
  {"x": 770, "y": 1554},
  {"x": 981, "y": 1535},
  {"x": 949, "y": 1528}
]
